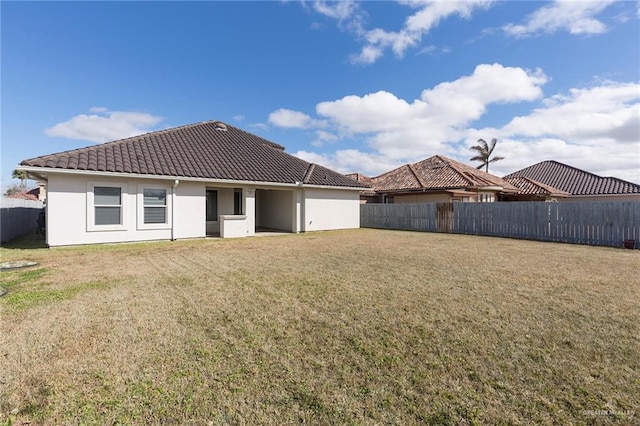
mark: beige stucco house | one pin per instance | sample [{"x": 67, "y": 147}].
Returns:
[
  {"x": 435, "y": 179},
  {"x": 191, "y": 181}
]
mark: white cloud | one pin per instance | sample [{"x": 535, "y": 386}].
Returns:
[
  {"x": 104, "y": 125},
  {"x": 609, "y": 112},
  {"x": 290, "y": 119},
  {"x": 368, "y": 55},
  {"x": 400, "y": 129},
  {"x": 339, "y": 10},
  {"x": 595, "y": 128},
  {"x": 324, "y": 137},
  {"x": 238, "y": 118},
  {"x": 576, "y": 17},
  {"x": 350, "y": 161},
  {"x": 428, "y": 15}
]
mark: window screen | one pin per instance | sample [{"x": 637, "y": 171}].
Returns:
[
  {"x": 155, "y": 205},
  {"x": 107, "y": 202}
]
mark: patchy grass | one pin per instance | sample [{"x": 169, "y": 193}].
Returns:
[{"x": 356, "y": 327}]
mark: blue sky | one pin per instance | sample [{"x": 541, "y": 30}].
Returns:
[{"x": 355, "y": 86}]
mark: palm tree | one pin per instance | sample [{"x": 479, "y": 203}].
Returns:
[
  {"x": 22, "y": 175},
  {"x": 485, "y": 150}
]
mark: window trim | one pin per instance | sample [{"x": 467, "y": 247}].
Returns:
[
  {"x": 140, "y": 207},
  {"x": 91, "y": 212}
]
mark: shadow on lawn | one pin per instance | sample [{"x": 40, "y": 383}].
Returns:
[{"x": 29, "y": 241}]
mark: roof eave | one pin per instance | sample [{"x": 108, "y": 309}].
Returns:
[{"x": 44, "y": 170}]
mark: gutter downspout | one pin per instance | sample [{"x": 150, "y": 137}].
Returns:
[
  {"x": 302, "y": 220},
  {"x": 173, "y": 203}
]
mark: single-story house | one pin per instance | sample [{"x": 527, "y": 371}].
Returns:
[
  {"x": 35, "y": 194},
  {"x": 435, "y": 179},
  {"x": 580, "y": 185},
  {"x": 201, "y": 179},
  {"x": 532, "y": 190}
]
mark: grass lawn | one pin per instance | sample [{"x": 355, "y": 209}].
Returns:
[{"x": 356, "y": 327}]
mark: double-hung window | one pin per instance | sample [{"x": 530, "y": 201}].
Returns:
[
  {"x": 107, "y": 201},
  {"x": 106, "y": 206},
  {"x": 155, "y": 205}
]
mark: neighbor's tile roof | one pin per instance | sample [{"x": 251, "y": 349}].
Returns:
[
  {"x": 527, "y": 186},
  {"x": 362, "y": 179},
  {"x": 26, "y": 195},
  {"x": 575, "y": 181},
  {"x": 208, "y": 150},
  {"x": 359, "y": 177},
  {"x": 437, "y": 172}
]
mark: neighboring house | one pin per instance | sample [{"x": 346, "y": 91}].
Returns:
[
  {"x": 32, "y": 194},
  {"x": 368, "y": 195},
  {"x": 578, "y": 184},
  {"x": 191, "y": 181},
  {"x": 531, "y": 190},
  {"x": 435, "y": 179}
]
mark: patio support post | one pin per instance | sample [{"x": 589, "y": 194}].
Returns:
[
  {"x": 296, "y": 216},
  {"x": 249, "y": 196}
]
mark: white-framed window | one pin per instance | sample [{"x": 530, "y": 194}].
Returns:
[
  {"x": 487, "y": 197},
  {"x": 106, "y": 206},
  {"x": 153, "y": 206}
]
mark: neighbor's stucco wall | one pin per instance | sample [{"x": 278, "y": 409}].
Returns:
[
  {"x": 274, "y": 209},
  {"x": 326, "y": 209},
  {"x": 421, "y": 198}
]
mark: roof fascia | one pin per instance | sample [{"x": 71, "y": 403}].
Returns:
[{"x": 45, "y": 170}]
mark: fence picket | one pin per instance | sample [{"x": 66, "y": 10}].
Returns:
[{"x": 579, "y": 222}]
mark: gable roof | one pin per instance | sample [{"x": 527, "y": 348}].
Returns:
[
  {"x": 207, "y": 150},
  {"x": 575, "y": 181},
  {"x": 527, "y": 186},
  {"x": 437, "y": 173}
]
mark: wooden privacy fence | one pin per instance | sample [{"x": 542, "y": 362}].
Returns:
[
  {"x": 580, "y": 222},
  {"x": 18, "y": 217}
]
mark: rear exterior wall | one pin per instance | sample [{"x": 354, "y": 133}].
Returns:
[
  {"x": 326, "y": 209},
  {"x": 69, "y": 211}
]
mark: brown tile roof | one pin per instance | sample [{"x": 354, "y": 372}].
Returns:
[
  {"x": 208, "y": 150},
  {"x": 528, "y": 186},
  {"x": 359, "y": 177},
  {"x": 437, "y": 172},
  {"x": 366, "y": 180},
  {"x": 26, "y": 195},
  {"x": 575, "y": 181}
]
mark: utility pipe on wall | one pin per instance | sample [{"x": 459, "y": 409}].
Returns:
[{"x": 173, "y": 203}]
